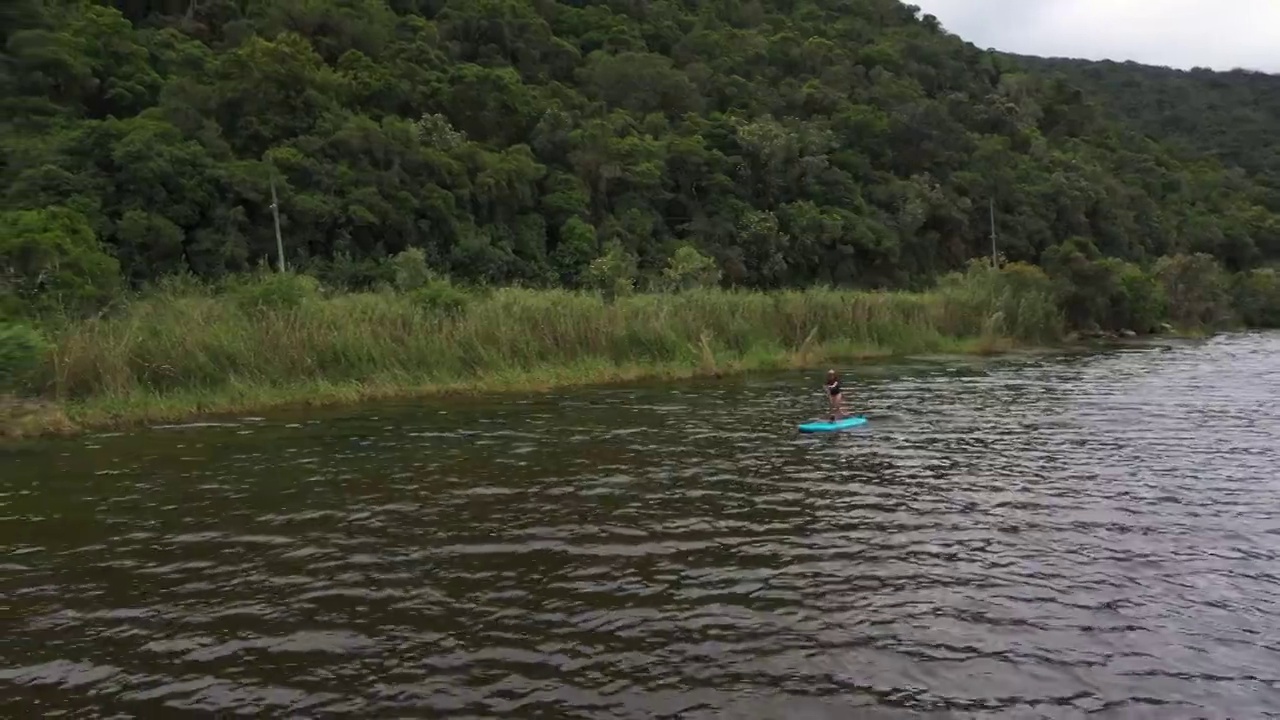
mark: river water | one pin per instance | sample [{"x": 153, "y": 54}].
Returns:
[{"x": 1026, "y": 537}]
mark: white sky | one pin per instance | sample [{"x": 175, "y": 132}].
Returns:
[{"x": 1218, "y": 34}]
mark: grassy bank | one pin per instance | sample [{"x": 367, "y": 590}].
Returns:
[
  {"x": 252, "y": 343},
  {"x": 281, "y": 340}
]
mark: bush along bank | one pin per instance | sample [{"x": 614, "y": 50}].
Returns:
[{"x": 185, "y": 347}]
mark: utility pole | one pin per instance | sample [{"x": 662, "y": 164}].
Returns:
[
  {"x": 275, "y": 212},
  {"x": 991, "y": 206}
]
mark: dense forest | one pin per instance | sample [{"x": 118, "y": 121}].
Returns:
[
  {"x": 794, "y": 142},
  {"x": 1233, "y": 116}
]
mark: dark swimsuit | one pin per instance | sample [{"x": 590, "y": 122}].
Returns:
[{"x": 834, "y": 388}]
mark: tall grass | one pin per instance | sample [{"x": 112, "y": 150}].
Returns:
[{"x": 281, "y": 338}]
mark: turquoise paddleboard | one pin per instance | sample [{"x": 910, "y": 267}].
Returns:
[{"x": 816, "y": 426}]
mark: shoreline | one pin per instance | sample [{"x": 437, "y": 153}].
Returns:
[
  {"x": 36, "y": 418},
  {"x": 180, "y": 357}
]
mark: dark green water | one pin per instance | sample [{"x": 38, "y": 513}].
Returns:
[{"x": 1026, "y": 538}]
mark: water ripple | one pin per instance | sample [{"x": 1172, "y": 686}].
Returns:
[{"x": 1026, "y": 537}]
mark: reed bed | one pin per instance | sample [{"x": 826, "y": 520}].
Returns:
[{"x": 178, "y": 352}]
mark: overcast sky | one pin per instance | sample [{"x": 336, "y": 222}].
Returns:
[{"x": 1219, "y": 34}]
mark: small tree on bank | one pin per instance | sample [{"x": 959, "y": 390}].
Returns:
[{"x": 689, "y": 269}]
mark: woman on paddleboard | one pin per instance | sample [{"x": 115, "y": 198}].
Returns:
[{"x": 835, "y": 395}]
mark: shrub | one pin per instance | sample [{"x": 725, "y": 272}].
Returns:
[
  {"x": 1017, "y": 300},
  {"x": 1104, "y": 293},
  {"x": 689, "y": 269},
  {"x": 1257, "y": 297},
  {"x": 410, "y": 270},
  {"x": 21, "y": 351},
  {"x": 441, "y": 296},
  {"x": 1083, "y": 282},
  {"x": 344, "y": 272},
  {"x": 182, "y": 284},
  {"x": 614, "y": 272},
  {"x": 51, "y": 261},
  {"x": 1136, "y": 301},
  {"x": 575, "y": 250},
  {"x": 1197, "y": 288},
  {"x": 274, "y": 291}
]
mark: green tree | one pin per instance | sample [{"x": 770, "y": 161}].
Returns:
[
  {"x": 797, "y": 142},
  {"x": 50, "y": 261},
  {"x": 1197, "y": 288},
  {"x": 614, "y": 271},
  {"x": 21, "y": 351},
  {"x": 688, "y": 269},
  {"x": 1257, "y": 296},
  {"x": 576, "y": 249}
]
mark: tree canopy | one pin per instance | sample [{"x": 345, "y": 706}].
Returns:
[
  {"x": 1232, "y": 116},
  {"x": 792, "y": 141}
]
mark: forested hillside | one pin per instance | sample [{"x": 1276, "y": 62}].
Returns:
[
  {"x": 1234, "y": 116},
  {"x": 795, "y": 141}
]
